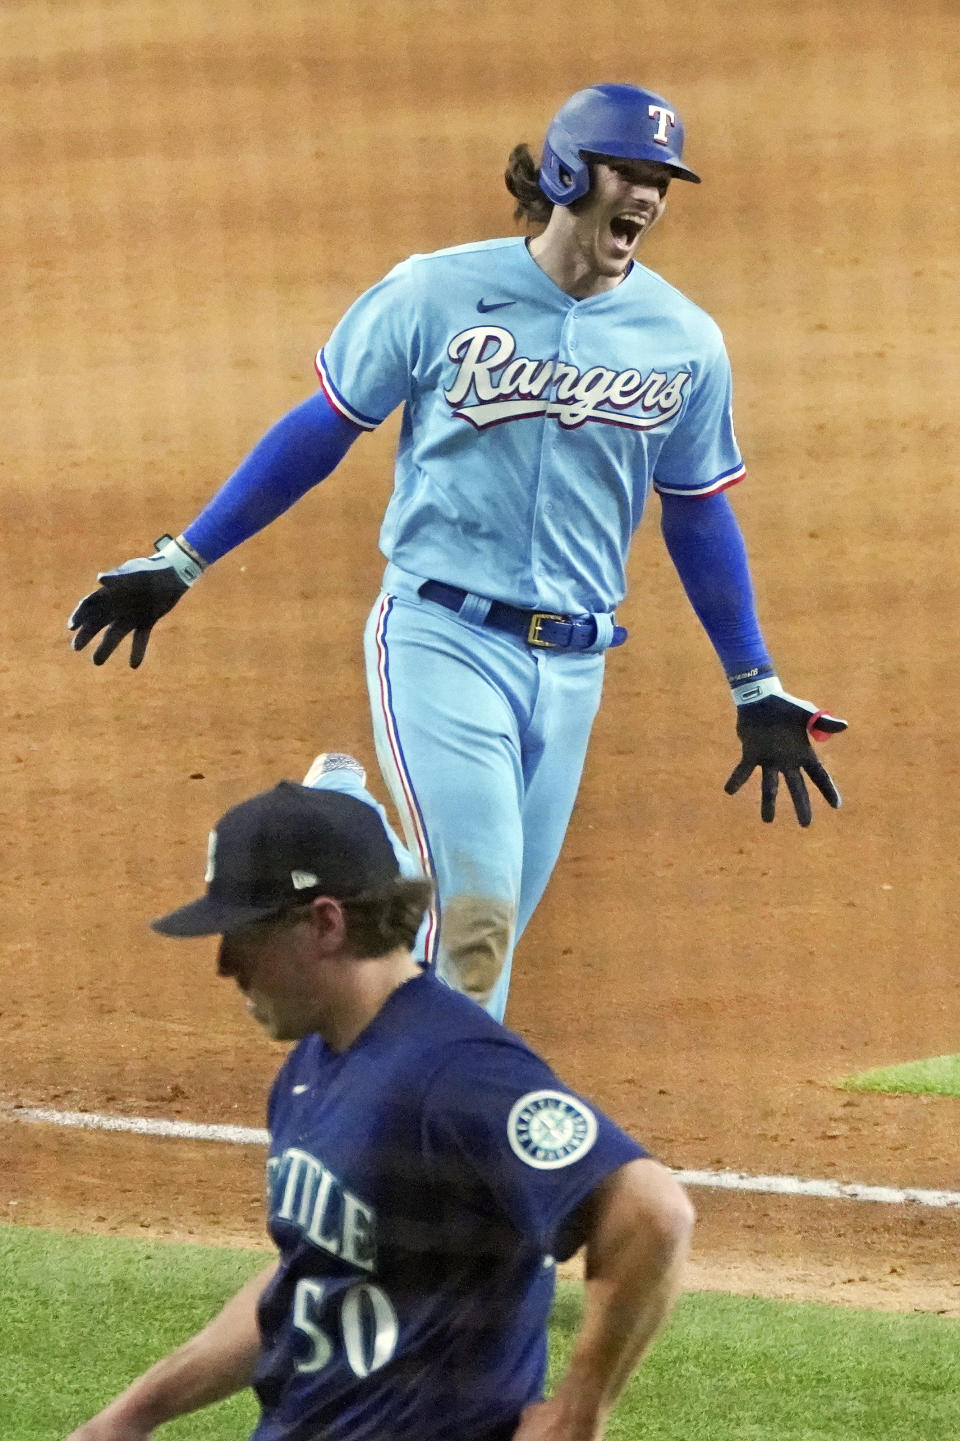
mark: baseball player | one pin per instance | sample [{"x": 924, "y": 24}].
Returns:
[
  {"x": 425, "y": 1170},
  {"x": 548, "y": 384}
]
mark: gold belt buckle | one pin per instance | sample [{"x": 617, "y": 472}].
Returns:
[{"x": 533, "y": 630}]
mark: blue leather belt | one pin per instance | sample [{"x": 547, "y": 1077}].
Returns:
[{"x": 543, "y": 629}]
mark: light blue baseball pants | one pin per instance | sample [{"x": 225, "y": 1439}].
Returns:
[{"x": 481, "y": 741}]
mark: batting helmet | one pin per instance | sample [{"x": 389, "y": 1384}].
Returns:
[{"x": 619, "y": 120}]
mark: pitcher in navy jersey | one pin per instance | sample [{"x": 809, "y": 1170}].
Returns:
[
  {"x": 426, "y": 1169},
  {"x": 549, "y": 385}
]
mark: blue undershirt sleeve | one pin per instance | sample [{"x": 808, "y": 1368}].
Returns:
[
  {"x": 706, "y": 546},
  {"x": 294, "y": 455}
]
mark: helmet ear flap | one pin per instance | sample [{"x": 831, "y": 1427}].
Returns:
[{"x": 564, "y": 175}]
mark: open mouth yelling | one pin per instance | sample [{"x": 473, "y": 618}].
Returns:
[{"x": 626, "y": 230}]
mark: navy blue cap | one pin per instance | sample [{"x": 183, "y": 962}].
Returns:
[{"x": 282, "y": 847}]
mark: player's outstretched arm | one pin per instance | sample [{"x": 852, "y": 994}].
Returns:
[
  {"x": 775, "y": 729},
  {"x": 638, "y": 1239},
  {"x": 295, "y": 454},
  {"x": 212, "y": 1365}
]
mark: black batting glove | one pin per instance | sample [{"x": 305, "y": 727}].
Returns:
[
  {"x": 776, "y": 731},
  {"x": 133, "y": 597}
]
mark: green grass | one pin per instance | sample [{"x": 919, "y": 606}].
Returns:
[
  {"x": 733, "y": 1368},
  {"x": 936, "y": 1076},
  {"x": 82, "y": 1315}
]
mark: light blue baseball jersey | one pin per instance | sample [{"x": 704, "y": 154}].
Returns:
[{"x": 534, "y": 424}]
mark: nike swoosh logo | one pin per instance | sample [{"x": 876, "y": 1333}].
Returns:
[{"x": 485, "y": 309}]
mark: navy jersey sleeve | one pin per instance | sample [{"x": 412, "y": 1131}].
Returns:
[
  {"x": 366, "y": 366},
  {"x": 516, "y": 1136}
]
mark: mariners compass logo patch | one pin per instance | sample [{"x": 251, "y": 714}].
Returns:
[{"x": 548, "y": 1129}]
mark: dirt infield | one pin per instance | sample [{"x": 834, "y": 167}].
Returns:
[{"x": 189, "y": 209}]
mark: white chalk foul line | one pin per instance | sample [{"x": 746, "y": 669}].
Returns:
[
  {"x": 827, "y": 1190},
  {"x": 143, "y": 1126},
  {"x": 717, "y": 1180}
]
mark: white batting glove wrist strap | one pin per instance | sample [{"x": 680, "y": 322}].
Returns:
[
  {"x": 185, "y": 562},
  {"x": 757, "y": 690}
]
